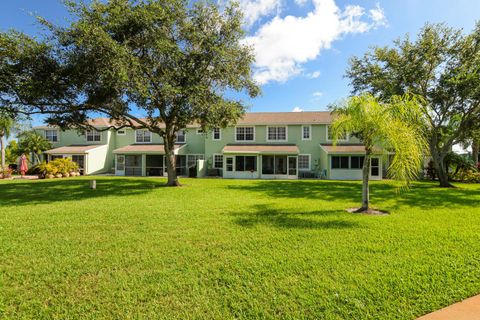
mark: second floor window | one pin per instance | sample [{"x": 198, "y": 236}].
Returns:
[
  {"x": 216, "y": 134},
  {"x": 51, "y": 135},
  {"x": 245, "y": 133},
  {"x": 343, "y": 137},
  {"x": 180, "y": 136},
  {"x": 277, "y": 133},
  {"x": 93, "y": 136},
  {"x": 143, "y": 136},
  {"x": 306, "y": 135}
]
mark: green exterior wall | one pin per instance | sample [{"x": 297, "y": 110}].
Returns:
[{"x": 103, "y": 160}]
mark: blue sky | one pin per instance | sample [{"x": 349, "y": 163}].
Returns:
[{"x": 302, "y": 46}]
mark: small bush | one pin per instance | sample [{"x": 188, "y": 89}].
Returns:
[
  {"x": 468, "y": 176},
  {"x": 5, "y": 172},
  {"x": 61, "y": 167}
]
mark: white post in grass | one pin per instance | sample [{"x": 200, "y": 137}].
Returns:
[{"x": 93, "y": 184}]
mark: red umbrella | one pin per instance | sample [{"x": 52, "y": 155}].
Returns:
[{"x": 23, "y": 164}]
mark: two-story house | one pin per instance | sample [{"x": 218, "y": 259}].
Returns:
[{"x": 266, "y": 145}]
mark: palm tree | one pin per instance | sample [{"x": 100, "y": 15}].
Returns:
[
  {"x": 6, "y": 126},
  {"x": 31, "y": 142},
  {"x": 396, "y": 126}
]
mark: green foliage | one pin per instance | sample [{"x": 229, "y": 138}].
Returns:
[
  {"x": 233, "y": 249},
  {"x": 173, "y": 60},
  {"x": 32, "y": 142},
  {"x": 467, "y": 175},
  {"x": 5, "y": 172},
  {"x": 12, "y": 152},
  {"x": 443, "y": 67},
  {"x": 395, "y": 126},
  {"x": 63, "y": 166}
]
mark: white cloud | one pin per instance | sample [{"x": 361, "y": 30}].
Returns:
[
  {"x": 282, "y": 45},
  {"x": 378, "y": 16},
  {"x": 313, "y": 75},
  {"x": 317, "y": 94},
  {"x": 297, "y": 109},
  {"x": 301, "y": 3},
  {"x": 255, "y": 9}
]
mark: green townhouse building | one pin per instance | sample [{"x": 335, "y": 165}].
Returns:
[{"x": 262, "y": 145}]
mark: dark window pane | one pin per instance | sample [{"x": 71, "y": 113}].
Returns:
[
  {"x": 250, "y": 163},
  {"x": 239, "y": 163},
  {"x": 335, "y": 162},
  {"x": 374, "y": 161},
  {"x": 344, "y": 162},
  {"x": 280, "y": 165},
  {"x": 356, "y": 162},
  {"x": 267, "y": 164}
]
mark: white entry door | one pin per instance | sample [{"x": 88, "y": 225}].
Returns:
[{"x": 120, "y": 165}]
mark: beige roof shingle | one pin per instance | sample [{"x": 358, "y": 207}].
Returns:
[
  {"x": 145, "y": 148},
  {"x": 352, "y": 148},
  {"x": 251, "y": 118},
  {"x": 74, "y": 149},
  {"x": 267, "y": 118},
  {"x": 261, "y": 148}
]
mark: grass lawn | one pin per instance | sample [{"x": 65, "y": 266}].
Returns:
[{"x": 233, "y": 249}]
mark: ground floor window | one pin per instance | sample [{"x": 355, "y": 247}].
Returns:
[
  {"x": 229, "y": 164},
  {"x": 154, "y": 165},
  {"x": 245, "y": 163},
  {"x": 278, "y": 165},
  {"x": 192, "y": 159},
  {"x": 375, "y": 167},
  {"x": 181, "y": 165},
  {"x": 80, "y": 161},
  {"x": 218, "y": 161},
  {"x": 356, "y": 162},
  {"x": 340, "y": 162},
  {"x": 303, "y": 162},
  {"x": 133, "y": 165}
]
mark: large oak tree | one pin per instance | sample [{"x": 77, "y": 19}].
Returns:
[
  {"x": 153, "y": 64},
  {"x": 443, "y": 67}
]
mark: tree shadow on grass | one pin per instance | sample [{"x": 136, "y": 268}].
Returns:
[
  {"x": 264, "y": 215},
  {"x": 49, "y": 191},
  {"x": 423, "y": 195}
]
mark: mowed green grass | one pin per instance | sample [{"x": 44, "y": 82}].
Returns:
[{"x": 223, "y": 249}]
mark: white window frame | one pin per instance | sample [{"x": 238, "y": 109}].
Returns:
[
  {"x": 309, "y": 162},
  {"x": 184, "y": 136},
  {"x": 119, "y": 132},
  {"x": 200, "y": 131},
  {"x": 94, "y": 133},
  {"x": 143, "y": 130},
  {"x": 56, "y": 133},
  {"x": 213, "y": 164},
  {"x": 198, "y": 156},
  {"x": 309, "y": 132},
  {"x": 219, "y": 134},
  {"x": 277, "y": 140},
  {"x": 347, "y": 136},
  {"x": 254, "y": 134}
]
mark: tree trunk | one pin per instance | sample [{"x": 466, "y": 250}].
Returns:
[
  {"x": 365, "y": 183},
  {"x": 2, "y": 146},
  {"x": 438, "y": 157},
  {"x": 475, "y": 149},
  {"x": 441, "y": 169},
  {"x": 169, "y": 143}
]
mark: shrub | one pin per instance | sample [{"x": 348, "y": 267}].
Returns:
[
  {"x": 64, "y": 166},
  {"x": 61, "y": 167},
  {"x": 5, "y": 172},
  {"x": 468, "y": 176}
]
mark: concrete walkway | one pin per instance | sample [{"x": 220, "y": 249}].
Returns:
[{"x": 468, "y": 309}]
